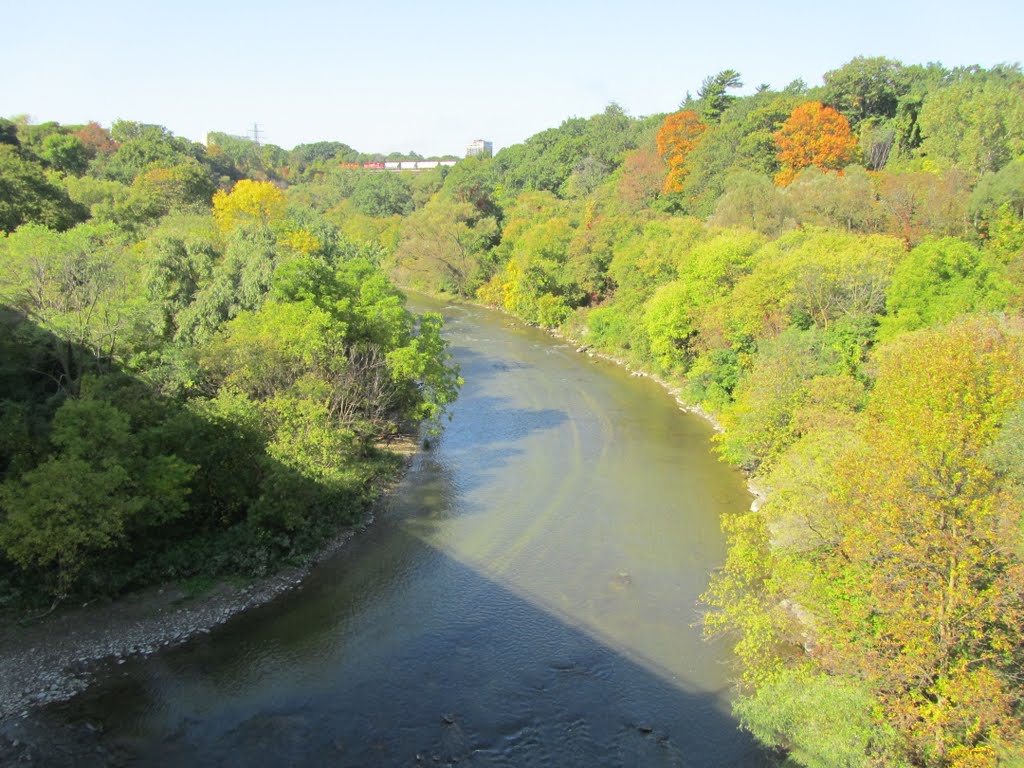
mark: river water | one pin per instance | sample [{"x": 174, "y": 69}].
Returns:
[{"x": 527, "y": 597}]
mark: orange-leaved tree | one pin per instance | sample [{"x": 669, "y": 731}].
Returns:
[
  {"x": 677, "y": 137},
  {"x": 813, "y": 135}
]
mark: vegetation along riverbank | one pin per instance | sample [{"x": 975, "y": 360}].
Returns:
[{"x": 202, "y": 349}]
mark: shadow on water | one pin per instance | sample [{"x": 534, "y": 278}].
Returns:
[
  {"x": 394, "y": 653},
  {"x": 395, "y": 658}
]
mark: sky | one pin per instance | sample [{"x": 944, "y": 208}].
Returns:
[{"x": 431, "y": 76}]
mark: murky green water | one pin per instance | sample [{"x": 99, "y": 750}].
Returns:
[{"x": 528, "y": 598}]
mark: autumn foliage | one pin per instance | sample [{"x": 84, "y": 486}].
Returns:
[
  {"x": 677, "y": 137},
  {"x": 250, "y": 202},
  {"x": 894, "y": 568},
  {"x": 642, "y": 174},
  {"x": 813, "y": 135},
  {"x": 96, "y": 138}
]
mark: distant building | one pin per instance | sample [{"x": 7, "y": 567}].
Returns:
[{"x": 480, "y": 147}]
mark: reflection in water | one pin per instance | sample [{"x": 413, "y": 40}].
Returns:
[{"x": 526, "y": 599}]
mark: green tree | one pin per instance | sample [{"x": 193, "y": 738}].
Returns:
[
  {"x": 752, "y": 201},
  {"x": 86, "y": 497},
  {"x": 139, "y": 146},
  {"x": 9, "y": 133},
  {"x": 159, "y": 190},
  {"x": 382, "y": 193},
  {"x": 976, "y": 121},
  {"x": 940, "y": 280},
  {"x": 821, "y": 721},
  {"x": 82, "y": 286},
  {"x": 867, "y": 87},
  {"x": 65, "y": 153},
  {"x": 442, "y": 245},
  {"x": 760, "y": 424},
  {"x": 713, "y": 94},
  {"x": 26, "y": 195}
]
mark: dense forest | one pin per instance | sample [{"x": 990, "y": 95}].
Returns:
[
  {"x": 202, "y": 351},
  {"x": 199, "y": 376}
]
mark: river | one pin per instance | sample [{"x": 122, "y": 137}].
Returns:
[{"x": 526, "y": 597}]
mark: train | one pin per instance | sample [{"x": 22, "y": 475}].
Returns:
[{"x": 401, "y": 165}]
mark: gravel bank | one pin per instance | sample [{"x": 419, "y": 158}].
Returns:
[{"x": 55, "y": 658}]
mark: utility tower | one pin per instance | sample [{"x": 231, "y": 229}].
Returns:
[{"x": 255, "y": 133}]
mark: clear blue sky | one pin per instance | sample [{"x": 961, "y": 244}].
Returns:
[{"x": 431, "y": 75}]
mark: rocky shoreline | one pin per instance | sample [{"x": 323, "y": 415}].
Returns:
[
  {"x": 55, "y": 658},
  {"x": 760, "y": 494}
]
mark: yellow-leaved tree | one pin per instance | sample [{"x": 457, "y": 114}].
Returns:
[
  {"x": 877, "y": 596},
  {"x": 249, "y": 202}
]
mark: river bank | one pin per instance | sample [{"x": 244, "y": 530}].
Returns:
[
  {"x": 54, "y": 658},
  {"x": 675, "y": 390}
]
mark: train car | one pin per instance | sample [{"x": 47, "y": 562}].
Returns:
[{"x": 404, "y": 165}]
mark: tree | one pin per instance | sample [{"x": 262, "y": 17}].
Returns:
[
  {"x": 258, "y": 203},
  {"x": 443, "y": 243},
  {"x": 139, "y": 146},
  {"x": 713, "y": 94},
  {"x": 677, "y": 137},
  {"x": 813, "y": 135},
  {"x": 820, "y": 720},
  {"x": 180, "y": 255},
  {"x": 754, "y": 146},
  {"x": 812, "y": 277},
  {"x": 9, "y": 133},
  {"x": 546, "y": 160},
  {"x": 304, "y": 155},
  {"x": 881, "y": 585},
  {"x": 928, "y": 543},
  {"x": 866, "y": 87},
  {"x": 160, "y": 189},
  {"x": 846, "y": 201},
  {"x": 643, "y": 172},
  {"x": 997, "y": 204},
  {"x": 82, "y": 287},
  {"x": 382, "y": 193},
  {"x": 83, "y": 500},
  {"x": 752, "y": 201},
  {"x": 472, "y": 181},
  {"x": 96, "y": 139},
  {"x": 334, "y": 345},
  {"x": 921, "y": 203},
  {"x": 760, "y": 425},
  {"x": 976, "y": 122},
  {"x": 26, "y": 195},
  {"x": 65, "y": 153},
  {"x": 940, "y": 280},
  {"x": 668, "y": 323}
]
